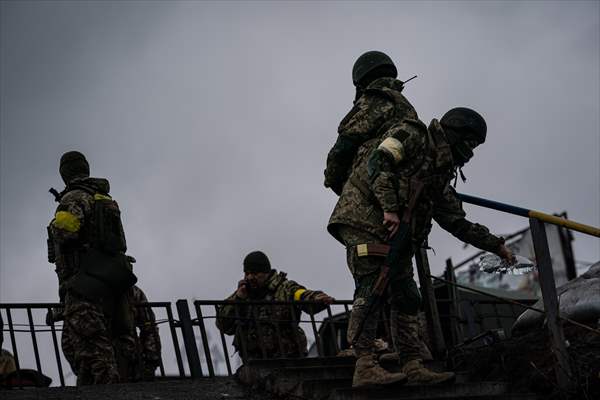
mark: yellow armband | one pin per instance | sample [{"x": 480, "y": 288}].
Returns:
[
  {"x": 66, "y": 221},
  {"x": 298, "y": 294}
]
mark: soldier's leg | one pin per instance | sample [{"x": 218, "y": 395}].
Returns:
[
  {"x": 405, "y": 303},
  {"x": 86, "y": 342},
  {"x": 365, "y": 271}
]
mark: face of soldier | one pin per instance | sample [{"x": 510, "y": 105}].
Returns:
[{"x": 256, "y": 280}]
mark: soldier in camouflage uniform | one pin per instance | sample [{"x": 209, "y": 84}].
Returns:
[
  {"x": 87, "y": 244},
  {"x": 147, "y": 344},
  {"x": 7, "y": 361},
  {"x": 374, "y": 194},
  {"x": 268, "y": 331}
]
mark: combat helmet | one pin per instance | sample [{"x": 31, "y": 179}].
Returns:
[
  {"x": 468, "y": 123},
  {"x": 465, "y": 129},
  {"x": 73, "y": 164},
  {"x": 371, "y": 61}
]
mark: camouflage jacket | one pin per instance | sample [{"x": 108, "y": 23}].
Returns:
[
  {"x": 381, "y": 181},
  {"x": 71, "y": 229},
  {"x": 381, "y": 106},
  {"x": 269, "y": 331},
  {"x": 145, "y": 321}
]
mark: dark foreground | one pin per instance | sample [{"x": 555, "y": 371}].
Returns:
[{"x": 225, "y": 388}]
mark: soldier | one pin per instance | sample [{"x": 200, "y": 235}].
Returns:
[
  {"x": 268, "y": 331},
  {"x": 147, "y": 346},
  {"x": 7, "y": 361},
  {"x": 87, "y": 244},
  {"x": 368, "y": 213}
]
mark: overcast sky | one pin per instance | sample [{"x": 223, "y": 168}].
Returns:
[{"x": 212, "y": 122}]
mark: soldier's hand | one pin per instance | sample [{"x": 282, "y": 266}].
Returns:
[
  {"x": 242, "y": 290},
  {"x": 392, "y": 222},
  {"x": 324, "y": 298},
  {"x": 507, "y": 254}
]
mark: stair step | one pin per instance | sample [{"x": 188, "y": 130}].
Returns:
[
  {"x": 313, "y": 389},
  {"x": 317, "y": 373},
  {"x": 472, "y": 391},
  {"x": 302, "y": 362}
]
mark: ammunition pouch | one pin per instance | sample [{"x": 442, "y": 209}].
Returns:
[
  {"x": 102, "y": 275},
  {"x": 108, "y": 232}
]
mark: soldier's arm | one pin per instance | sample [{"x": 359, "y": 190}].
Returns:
[
  {"x": 293, "y": 292},
  {"x": 359, "y": 125},
  {"x": 70, "y": 216},
  {"x": 226, "y": 315},
  {"x": 400, "y": 146},
  {"x": 449, "y": 214}
]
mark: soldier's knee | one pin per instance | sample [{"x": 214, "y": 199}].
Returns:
[
  {"x": 406, "y": 298},
  {"x": 364, "y": 286}
]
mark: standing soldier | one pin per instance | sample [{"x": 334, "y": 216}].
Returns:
[
  {"x": 385, "y": 173},
  {"x": 148, "y": 339},
  {"x": 87, "y": 244},
  {"x": 268, "y": 330},
  {"x": 378, "y": 105}
]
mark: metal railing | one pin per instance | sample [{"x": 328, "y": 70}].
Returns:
[
  {"x": 193, "y": 346},
  {"x": 39, "y": 321},
  {"x": 537, "y": 222}
]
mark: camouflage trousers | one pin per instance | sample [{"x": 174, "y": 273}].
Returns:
[
  {"x": 86, "y": 342},
  {"x": 265, "y": 341},
  {"x": 402, "y": 297},
  {"x": 7, "y": 362}
]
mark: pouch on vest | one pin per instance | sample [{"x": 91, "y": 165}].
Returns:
[
  {"x": 108, "y": 232},
  {"x": 102, "y": 275}
]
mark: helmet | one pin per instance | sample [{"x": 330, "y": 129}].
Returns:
[
  {"x": 73, "y": 165},
  {"x": 368, "y": 62},
  {"x": 467, "y": 124}
]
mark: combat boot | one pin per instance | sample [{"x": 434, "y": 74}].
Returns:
[
  {"x": 368, "y": 372},
  {"x": 417, "y": 374},
  {"x": 389, "y": 359}
]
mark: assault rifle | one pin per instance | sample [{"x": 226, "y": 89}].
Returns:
[{"x": 399, "y": 244}]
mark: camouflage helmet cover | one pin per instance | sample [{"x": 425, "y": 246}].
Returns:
[{"x": 368, "y": 62}]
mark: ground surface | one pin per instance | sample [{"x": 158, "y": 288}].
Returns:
[{"x": 202, "y": 389}]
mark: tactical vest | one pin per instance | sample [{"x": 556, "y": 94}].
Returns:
[
  {"x": 435, "y": 169},
  {"x": 101, "y": 268}
]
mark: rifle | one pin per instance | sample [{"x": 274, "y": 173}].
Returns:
[{"x": 398, "y": 244}]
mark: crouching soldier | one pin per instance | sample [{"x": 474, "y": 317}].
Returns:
[{"x": 268, "y": 330}]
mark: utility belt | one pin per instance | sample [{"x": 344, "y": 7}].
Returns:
[{"x": 372, "y": 250}]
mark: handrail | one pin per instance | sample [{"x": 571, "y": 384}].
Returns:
[{"x": 523, "y": 212}]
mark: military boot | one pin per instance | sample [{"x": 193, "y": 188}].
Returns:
[
  {"x": 417, "y": 374},
  {"x": 389, "y": 358},
  {"x": 368, "y": 372}
]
